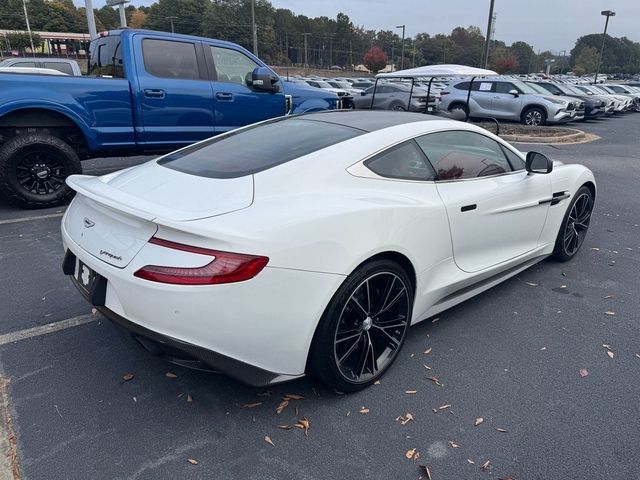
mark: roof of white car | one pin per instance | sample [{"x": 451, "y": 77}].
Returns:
[{"x": 369, "y": 120}]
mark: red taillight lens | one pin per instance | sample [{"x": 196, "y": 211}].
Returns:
[
  {"x": 225, "y": 267},
  {"x": 443, "y": 93}
]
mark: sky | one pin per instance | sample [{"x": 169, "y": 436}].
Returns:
[{"x": 546, "y": 24}]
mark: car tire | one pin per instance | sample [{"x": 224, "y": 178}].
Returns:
[
  {"x": 364, "y": 326},
  {"x": 398, "y": 108},
  {"x": 459, "y": 106},
  {"x": 534, "y": 116},
  {"x": 575, "y": 225},
  {"x": 33, "y": 169}
]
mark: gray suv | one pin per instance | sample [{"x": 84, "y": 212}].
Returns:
[{"x": 507, "y": 100}]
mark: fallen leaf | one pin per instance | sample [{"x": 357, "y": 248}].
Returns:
[
  {"x": 251, "y": 405},
  {"x": 435, "y": 320},
  {"x": 428, "y": 350},
  {"x": 610, "y": 354},
  {"x": 170, "y": 375},
  {"x": 267, "y": 439},
  {"x": 348, "y": 413},
  {"x": 364, "y": 410},
  {"x": 638, "y": 355},
  {"x": 404, "y": 419},
  {"x": 93, "y": 311},
  {"x": 304, "y": 424},
  {"x": 411, "y": 392},
  {"x": 478, "y": 421},
  {"x": 485, "y": 466},
  {"x": 377, "y": 382},
  {"x": 192, "y": 461},
  {"x": 180, "y": 395},
  {"x": 501, "y": 430},
  {"x": 135, "y": 399},
  {"x": 283, "y": 404},
  {"x": 410, "y": 453},
  {"x": 609, "y": 296},
  {"x": 563, "y": 286},
  {"x": 531, "y": 284},
  {"x": 285, "y": 427},
  {"x": 453, "y": 444},
  {"x": 594, "y": 249},
  {"x": 607, "y": 346},
  {"x": 189, "y": 398},
  {"x": 471, "y": 461},
  {"x": 584, "y": 372},
  {"x": 436, "y": 380},
  {"x": 127, "y": 376},
  {"x": 425, "y": 469},
  {"x": 609, "y": 312},
  {"x": 444, "y": 407},
  {"x": 290, "y": 396},
  {"x": 426, "y": 366}
]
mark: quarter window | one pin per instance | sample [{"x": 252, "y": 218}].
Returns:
[
  {"x": 405, "y": 161},
  {"x": 60, "y": 66},
  {"x": 232, "y": 66},
  {"x": 169, "y": 59},
  {"x": 460, "y": 155}
]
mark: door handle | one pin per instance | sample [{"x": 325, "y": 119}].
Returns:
[
  {"x": 154, "y": 93},
  {"x": 466, "y": 208},
  {"x": 224, "y": 96}
]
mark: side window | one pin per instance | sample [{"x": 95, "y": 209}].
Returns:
[
  {"x": 460, "y": 155},
  {"x": 106, "y": 57},
  {"x": 60, "y": 66},
  {"x": 516, "y": 162},
  {"x": 504, "y": 87},
  {"x": 231, "y": 65},
  {"x": 169, "y": 59},
  {"x": 405, "y": 161},
  {"x": 24, "y": 64}
]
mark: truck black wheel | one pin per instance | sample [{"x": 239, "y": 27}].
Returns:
[{"x": 33, "y": 169}]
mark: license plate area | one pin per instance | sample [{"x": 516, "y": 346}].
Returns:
[
  {"x": 85, "y": 277},
  {"x": 91, "y": 285}
]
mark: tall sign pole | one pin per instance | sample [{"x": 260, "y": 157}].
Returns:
[
  {"x": 26, "y": 18},
  {"x": 485, "y": 56},
  {"x": 91, "y": 22},
  {"x": 254, "y": 28}
]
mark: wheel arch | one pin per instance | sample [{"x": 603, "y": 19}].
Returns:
[
  {"x": 531, "y": 106},
  {"x": 591, "y": 186}
]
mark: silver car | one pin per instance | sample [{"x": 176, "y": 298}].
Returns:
[
  {"x": 507, "y": 100},
  {"x": 394, "y": 96}
]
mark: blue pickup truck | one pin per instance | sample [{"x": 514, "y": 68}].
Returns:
[{"x": 147, "y": 92}]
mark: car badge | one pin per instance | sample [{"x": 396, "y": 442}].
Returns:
[{"x": 88, "y": 223}]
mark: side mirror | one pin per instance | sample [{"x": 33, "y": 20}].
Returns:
[
  {"x": 538, "y": 163},
  {"x": 263, "y": 79},
  {"x": 514, "y": 92}
]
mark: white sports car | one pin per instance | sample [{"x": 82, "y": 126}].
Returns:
[{"x": 309, "y": 244}]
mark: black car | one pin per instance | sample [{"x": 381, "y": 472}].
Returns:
[{"x": 593, "y": 107}]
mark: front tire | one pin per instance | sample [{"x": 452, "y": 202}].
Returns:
[
  {"x": 364, "y": 326},
  {"x": 575, "y": 225},
  {"x": 33, "y": 169},
  {"x": 535, "y": 117}
]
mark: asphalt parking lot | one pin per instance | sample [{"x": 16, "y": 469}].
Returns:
[{"x": 512, "y": 356}]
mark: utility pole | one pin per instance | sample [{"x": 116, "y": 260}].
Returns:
[
  {"x": 123, "y": 16},
  {"x": 393, "y": 51},
  {"x": 254, "y": 27},
  {"x": 351, "y": 55},
  {"x": 488, "y": 39},
  {"x": 606, "y": 13},
  {"x": 402, "y": 49},
  {"x": 91, "y": 23},
  {"x": 413, "y": 62},
  {"x": 306, "y": 58},
  {"x": 171, "y": 19},
  {"x": 26, "y": 18}
]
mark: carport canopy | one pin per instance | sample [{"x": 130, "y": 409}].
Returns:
[{"x": 439, "y": 71}]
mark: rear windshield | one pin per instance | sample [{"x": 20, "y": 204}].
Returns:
[{"x": 257, "y": 148}]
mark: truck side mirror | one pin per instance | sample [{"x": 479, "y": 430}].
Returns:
[{"x": 263, "y": 79}]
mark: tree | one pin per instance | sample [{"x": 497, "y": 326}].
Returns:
[
  {"x": 138, "y": 17},
  {"x": 375, "y": 59},
  {"x": 21, "y": 41},
  {"x": 506, "y": 64},
  {"x": 587, "y": 60}
]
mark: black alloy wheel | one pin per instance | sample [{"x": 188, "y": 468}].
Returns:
[
  {"x": 574, "y": 226},
  {"x": 364, "y": 326}
]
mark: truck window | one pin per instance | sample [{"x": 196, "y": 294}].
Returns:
[
  {"x": 169, "y": 59},
  {"x": 60, "y": 66},
  {"x": 24, "y": 64},
  {"x": 105, "y": 57},
  {"x": 231, "y": 65}
]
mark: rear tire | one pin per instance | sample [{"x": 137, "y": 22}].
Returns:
[
  {"x": 364, "y": 326},
  {"x": 534, "y": 116},
  {"x": 459, "y": 106},
  {"x": 398, "y": 108},
  {"x": 575, "y": 225},
  {"x": 33, "y": 169}
]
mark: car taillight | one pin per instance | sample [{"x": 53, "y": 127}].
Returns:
[
  {"x": 443, "y": 93},
  {"x": 226, "y": 267}
]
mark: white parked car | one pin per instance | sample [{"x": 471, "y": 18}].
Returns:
[{"x": 310, "y": 244}]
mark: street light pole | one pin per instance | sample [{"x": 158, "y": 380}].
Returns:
[
  {"x": 254, "y": 27},
  {"x": 485, "y": 56},
  {"x": 26, "y": 18},
  {"x": 402, "y": 49},
  {"x": 606, "y": 13}
]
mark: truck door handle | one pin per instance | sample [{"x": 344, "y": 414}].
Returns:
[
  {"x": 154, "y": 93},
  {"x": 466, "y": 208},
  {"x": 224, "y": 96}
]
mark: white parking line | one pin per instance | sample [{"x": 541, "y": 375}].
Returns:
[
  {"x": 48, "y": 328},
  {"x": 28, "y": 219}
]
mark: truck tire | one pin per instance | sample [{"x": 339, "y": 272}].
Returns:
[{"x": 33, "y": 169}]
